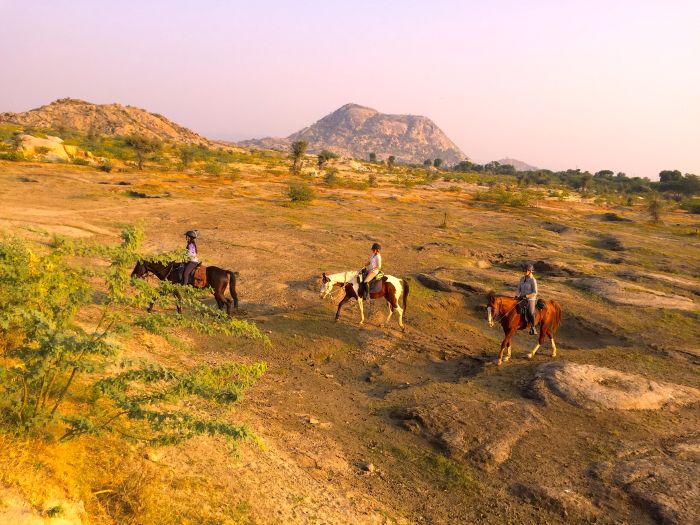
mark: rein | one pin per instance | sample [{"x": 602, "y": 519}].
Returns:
[{"x": 497, "y": 318}]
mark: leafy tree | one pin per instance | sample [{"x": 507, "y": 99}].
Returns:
[
  {"x": 437, "y": 163},
  {"x": 373, "y": 157},
  {"x": 143, "y": 147},
  {"x": 300, "y": 193},
  {"x": 298, "y": 150},
  {"x": 427, "y": 162},
  {"x": 324, "y": 157},
  {"x": 464, "y": 166},
  {"x": 62, "y": 374},
  {"x": 391, "y": 161},
  {"x": 187, "y": 154},
  {"x": 655, "y": 206},
  {"x": 670, "y": 176},
  {"x": 604, "y": 174}
]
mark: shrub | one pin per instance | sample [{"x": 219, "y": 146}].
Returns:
[
  {"x": 61, "y": 374},
  {"x": 504, "y": 197},
  {"x": 213, "y": 168},
  {"x": 372, "y": 180},
  {"x": 105, "y": 166},
  {"x": 300, "y": 192},
  {"x": 691, "y": 205},
  {"x": 80, "y": 161}
]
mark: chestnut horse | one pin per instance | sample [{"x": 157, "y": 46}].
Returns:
[
  {"x": 503, "y": 309},
  {"x": 392, "y": 290},
  {"x": 218, "y": 280}
]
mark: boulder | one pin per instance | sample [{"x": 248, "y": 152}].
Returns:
[
  {"x": 483, "y": 432},
  {"x": 565, "y": 501},
  {"x": 634, "y": 295},
  {"x": 594, "y": 387}
]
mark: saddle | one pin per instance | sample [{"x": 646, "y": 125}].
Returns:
[
  {"x": 198, "y": 278},
  {"x": 375, "y": 285},
  {"x": 539, "y": 305}
]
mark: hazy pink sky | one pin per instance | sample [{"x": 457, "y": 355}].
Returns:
[{"x": 559, "y": 84}]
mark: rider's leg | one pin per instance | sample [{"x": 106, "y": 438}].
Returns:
[
  {"x": 370, "y": 276},
  {"x": 531, "y": 308},
  {"x": 189, "y": 268}
]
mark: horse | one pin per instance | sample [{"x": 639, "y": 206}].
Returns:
[
  {"x": 217, "y": 278},
  {"x": 392, "y": 290},
  {"x": 503, "y": 309}
]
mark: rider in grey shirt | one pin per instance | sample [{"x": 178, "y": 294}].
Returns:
[{"x": 527, "y": 289}]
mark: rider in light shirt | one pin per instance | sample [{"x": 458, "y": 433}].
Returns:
[{"x": 373, "y": 266}]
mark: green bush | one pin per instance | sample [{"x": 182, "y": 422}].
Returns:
[
  {"x": 504, "y": 197},
  {"x": 105, "y": 166},
  {"x": 213, "y": 168},
  {"x": 80, "y": 162},
  {"x": 300, "y": 192},
  {"x": 691, "y": 205},
  {"x": 62, "y": 375},
  {"x": 372, "y": 180}
]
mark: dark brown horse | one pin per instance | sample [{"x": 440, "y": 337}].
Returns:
[
  {"x": 504, "y": 309},
  {"x": 218, "y": 280},
  {"x": 392, "y": 289}
]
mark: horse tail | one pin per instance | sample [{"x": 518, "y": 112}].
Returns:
[
  {"x": 232, "y": 286},
  {"x": 404, "y": 283},
  {"x": 556, "y": 316}
]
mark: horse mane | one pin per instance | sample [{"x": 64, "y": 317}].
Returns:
[{"x": 490, "y": 295}]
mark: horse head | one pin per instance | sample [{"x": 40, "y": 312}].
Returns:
[
  {"x": 493, "y": 306},
  {"x": 140, "y": 270},
  {"x": 326, "y": 286}
]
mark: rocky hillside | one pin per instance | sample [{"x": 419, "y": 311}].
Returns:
[
  {"x": 356, "y": 131},
  {"x": 104, "y": 119},
  {"x": 518, "y": 164}
]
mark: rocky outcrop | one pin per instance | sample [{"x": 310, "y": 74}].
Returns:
[
  {"x": 483, "y": 432},
  {"x": 633, "y": 295},
  {"x": 356, "y": 131},
  {"x": 595, "y": 387},
  {"x": 102, "y": 119},
  {"x": 51, "y": 148}
]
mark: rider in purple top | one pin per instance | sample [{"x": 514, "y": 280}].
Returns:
[{"x": 192, "y": 259}]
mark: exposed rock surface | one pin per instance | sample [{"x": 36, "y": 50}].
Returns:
[
  {"x": 518, "y": 164},
  {"x": 593, "y": 387},
  {"x": 664, "y": 483},
  {"x": 51, "y": 148},
  {"x": 565, "y": 501},
  {"x": 632, "y": 294},
  {"x": 484, "y": 432},
  {"x": 356, "y": 131},
  {"x": 103, "y": 119},
  {"x": 449, "y": 285}
]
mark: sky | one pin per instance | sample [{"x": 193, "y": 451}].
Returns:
[{"x": 558, "y": 84}]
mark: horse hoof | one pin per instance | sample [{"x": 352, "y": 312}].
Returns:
[
  {"x": 554, "y": 355},
  {"x": 530, "y": 356},
  {"x": 499, "y": 363},
  {"x": 506, "y": 359}
]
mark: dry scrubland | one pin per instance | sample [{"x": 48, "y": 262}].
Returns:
[{"x": 371, "y": 425}]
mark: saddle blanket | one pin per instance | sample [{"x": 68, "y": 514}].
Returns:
[{"x": 200, "y": 276}]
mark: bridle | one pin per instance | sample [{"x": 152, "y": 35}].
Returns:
[{"x": 497, "y": 318}]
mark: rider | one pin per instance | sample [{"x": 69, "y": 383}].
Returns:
[
  {"x": 372, "y": 267},
  {"x": 192, "y": 260},
  {"x": 527, "y": 289}
]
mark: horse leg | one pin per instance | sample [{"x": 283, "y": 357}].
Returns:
[
  {"x": 150, "y": 308},
  {"x": 507, "y": 357},
  {"x": 540, "y": 341},
  {"x": 391, "y": 311},
  {"x": 554, "y": 345},
  {"x": 342, "y": 302},
  {"x": 399, "y": 311},
  {"x": 177, "y": 304},
  {"x": 360, "y": 304},
  {"x": 505, "y": 344}
]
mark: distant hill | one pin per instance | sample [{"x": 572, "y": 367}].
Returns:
[
  {"x": 518, "y": 164},
  {"x": 104, "y": 119},
  {"x": 356, "y": 131}
]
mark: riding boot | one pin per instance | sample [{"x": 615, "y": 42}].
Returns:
[{"x": 533, "y": 327}]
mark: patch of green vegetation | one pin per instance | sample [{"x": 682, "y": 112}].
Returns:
[
  {"x": 450, "y": 474},
  {"x": 300, "y": 193},
  {"x": 504, "y": 197}
]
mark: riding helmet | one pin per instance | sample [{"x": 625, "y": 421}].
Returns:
[
  {"x": 376, "y": 246},
  {"x": 528, "y": 267},
  {"x": 191, "y": 233}
]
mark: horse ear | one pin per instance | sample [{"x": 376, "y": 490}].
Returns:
[{"x": 325, "y": 279}]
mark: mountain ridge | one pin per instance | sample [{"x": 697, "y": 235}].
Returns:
[
  {"x": 105, "y": 119},
  {"x": 356, "y": 131}
]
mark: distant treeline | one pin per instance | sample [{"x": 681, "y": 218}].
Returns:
[{"x": 672, "y": 183}]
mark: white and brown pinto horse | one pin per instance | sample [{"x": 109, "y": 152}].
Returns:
[{"x": 392, "y": 289}]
